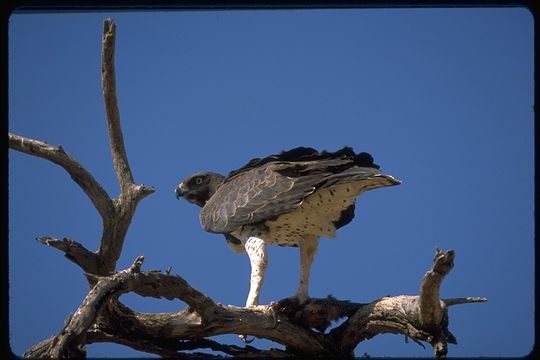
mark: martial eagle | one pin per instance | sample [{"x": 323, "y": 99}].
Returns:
[{"x": 290, "y": 199}]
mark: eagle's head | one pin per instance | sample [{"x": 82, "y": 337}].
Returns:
[{"x": 200, "y": 187}]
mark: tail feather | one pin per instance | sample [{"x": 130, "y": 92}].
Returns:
[{"x": 371, "y": 177}]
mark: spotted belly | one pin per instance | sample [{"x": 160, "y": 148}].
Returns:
[{"x": 318, "y": 215}]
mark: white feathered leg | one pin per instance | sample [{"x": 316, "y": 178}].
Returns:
[
  {"x": 256, "y": 250},
  {"x": 308, "y": 250}
]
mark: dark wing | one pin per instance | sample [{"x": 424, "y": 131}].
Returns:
[
  {"x": 362, "y": 159},
  {"x": 261, "y": 193},
  {"x": 253, "y": 196}
]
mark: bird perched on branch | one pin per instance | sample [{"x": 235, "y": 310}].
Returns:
[{"x": 290, "y": 199}]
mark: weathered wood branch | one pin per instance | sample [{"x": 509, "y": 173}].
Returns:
[
  {"x": 130, "y": 194},
  {"x": 116, "y": 139},
  {"x": 173, "y": 349},
  {"x": 421, "y": 318},
  {"x": 466, "y": 300},
  {"x": 87, "y": 260},
  {"x": 56, "y": 154},
  {"x": 301, "y": 328},
  {"x": 118, "y": 213},
  {"x": 69, "y": 343},
  {"x": 431, "y": 310}
]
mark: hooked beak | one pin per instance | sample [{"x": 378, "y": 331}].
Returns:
[{"x": 180, "y": 190}]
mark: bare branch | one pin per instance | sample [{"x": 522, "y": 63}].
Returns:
[
  {"x": 137, "y": 343},
  {"x": 218, "y": 319},
  {"x": 113, "y": 236},
  {"x": 158, "y": 285},
  {"x": 116, "y": 140},
  {"x": 396, "y": 315},
  {"x": 287, "y": 323},
  {"x": 74, "y": 251},
  {"x": 69, "y": 342},
  {"x": 431, "y": 311},
  {"x": 99, "y": 197},
  {"x": 171, "y": 348},
  {"x": 466, "y": 300},
  {"x": 420, "y": 318}
]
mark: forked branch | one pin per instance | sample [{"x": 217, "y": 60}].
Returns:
[{"x": 130, "y": 194}]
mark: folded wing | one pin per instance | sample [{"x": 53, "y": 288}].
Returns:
[{"x": 267, "y": 188}]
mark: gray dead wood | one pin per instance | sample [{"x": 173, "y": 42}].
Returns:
[
  {"x": 286, "y": 322},
  {"x": 78, "y": 173},
  {"x": 74, "y": 251}
]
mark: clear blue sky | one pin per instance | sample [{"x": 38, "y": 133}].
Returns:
[{"x": 442, "y": 98}]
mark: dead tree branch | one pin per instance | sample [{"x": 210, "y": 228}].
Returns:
[
  {"x": 116, "y": 139},
  {"x": 421, "y": 318},
  {"x": 299, "y": 327},
  {"x": 87, "y": 260},
  {"x": 78, "y": 173},
  {"x": 431, "y": 311},
  {"x": 459, "y": 301},
  {"x": 118, "y": 213},
  {"x": 69, "y": 343},
  {"x": 125, "y": 206}
]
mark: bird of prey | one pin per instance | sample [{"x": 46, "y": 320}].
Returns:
[{"x": 291, "y": 199}]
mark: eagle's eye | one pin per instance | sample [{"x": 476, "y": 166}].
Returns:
[{"x": 198, "y": 181}]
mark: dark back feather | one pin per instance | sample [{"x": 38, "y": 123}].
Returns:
[{"x": 301, "y": 153}]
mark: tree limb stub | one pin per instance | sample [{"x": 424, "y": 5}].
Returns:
[
  {"x": 466, "y": 300},
  {"x": 431, "y": 311}
]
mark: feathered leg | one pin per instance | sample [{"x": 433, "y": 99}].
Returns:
[
  {"x": 256, "y": 250},
  {"x": 308, "y": 250}
]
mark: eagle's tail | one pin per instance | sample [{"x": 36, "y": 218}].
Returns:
[
  {"x": 369, "y": 178},
  {"x": 380, "y": 180}
]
